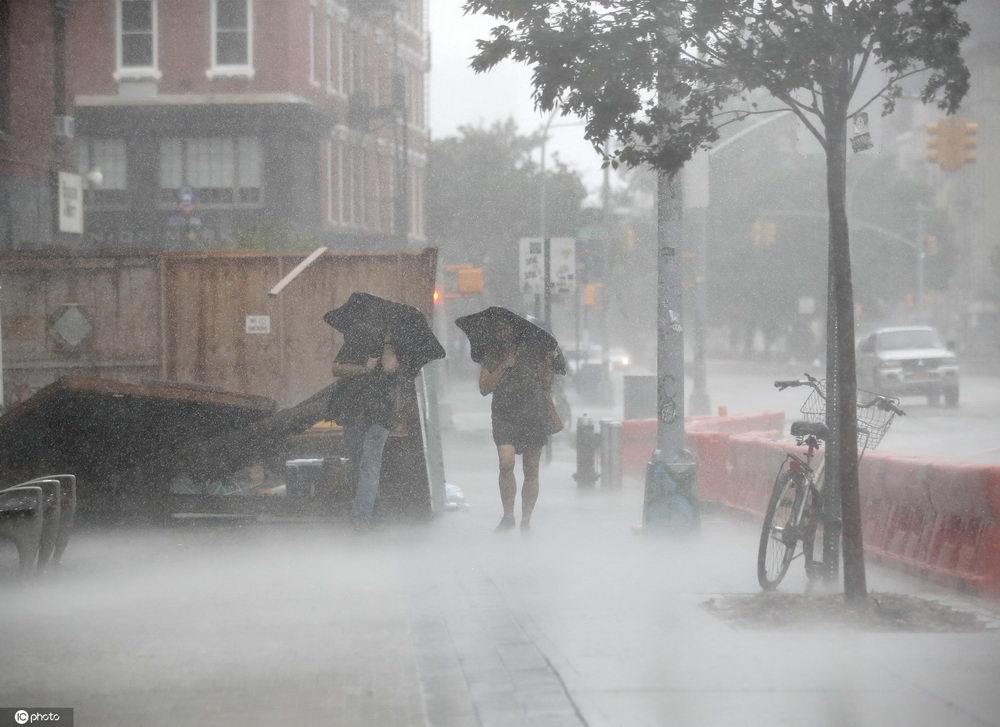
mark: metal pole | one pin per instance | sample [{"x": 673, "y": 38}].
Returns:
[
  {"x": 696, "y": 199},
  {"x": 921, "y": 253},
  {"x": 547, "y": 247},
  {"x": 831, "y": 496},
  {"x": 2, "y": 399},
  {"x": 669, "y": 501},
  {"x": 670, "y": 334}
]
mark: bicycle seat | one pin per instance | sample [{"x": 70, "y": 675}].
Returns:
[{"x": 816, "y": 429}]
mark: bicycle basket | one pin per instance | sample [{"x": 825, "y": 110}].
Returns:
[
  {"x": 873, "y": 420},
  {"x": 814, "y": 408}
]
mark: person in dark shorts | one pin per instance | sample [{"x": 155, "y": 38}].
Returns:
[
  {"x": 519, "y": 376},
  {"x": 371, "y": 364}
]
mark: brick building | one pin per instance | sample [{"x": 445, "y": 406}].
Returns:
[
  {"x": 253, "y": 122},
  {"x": 35, "y": 121}
]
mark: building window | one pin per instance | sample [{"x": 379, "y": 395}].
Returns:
[
  {"x": 137, "y": 41},
  {"x": 413, "y": 13},
  {"x": 222, "y": 171},
  {"x": 108, "y": 156},
  {"x": 232, "y": 38}
]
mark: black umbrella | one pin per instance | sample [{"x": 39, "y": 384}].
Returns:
[
  {"x": 369, "y": 317},
  {"x": 481, "y": 328}
]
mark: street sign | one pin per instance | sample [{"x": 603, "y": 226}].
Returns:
[
  {"x": 532, "y": 265},
  {"x": 562, "y": 270}
]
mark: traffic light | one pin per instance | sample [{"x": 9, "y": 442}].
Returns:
[
  {"x": 593, "y": 296},
  {"x": 951, "y": 143},
  {"x": 470, "y": 280},
  {"x": 764, "y": 233},
  {"x": 931, "y": 245}
]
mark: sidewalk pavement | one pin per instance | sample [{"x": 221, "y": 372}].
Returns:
[{"x": 580, "y": 622}]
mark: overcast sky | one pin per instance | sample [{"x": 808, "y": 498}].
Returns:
[{"x": 458, "y": 96}]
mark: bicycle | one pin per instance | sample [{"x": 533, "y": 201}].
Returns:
[{"x": 795, "y": 511}]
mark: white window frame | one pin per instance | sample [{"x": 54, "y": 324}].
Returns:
[
  {"x": 244, "y": 70},
  {"x": 152, "y": 72},
  {"x": 328, "y": 44},
  {"x": 340, "y": 59},
  {"x": 329, "y": 181},
  {"x": 235, "y": 186},
  {"x": 313, "y": 77},
  {"x": 341, "y": 212}
]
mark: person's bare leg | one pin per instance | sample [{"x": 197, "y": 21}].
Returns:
[
  {"x": 529, "y": 488},
  {"x": 508, "y": 485}
]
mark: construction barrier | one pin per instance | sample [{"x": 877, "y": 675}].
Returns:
[
  {"x": 638, "y": 436},
  {"x": 937, "y": 520}
]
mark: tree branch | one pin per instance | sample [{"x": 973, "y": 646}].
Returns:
[
  {"x": 802, "y": 117},
  {"x": 885, "y": 88},
  {"x": 864, "y": 64},
  {"x": 743, "y": 113}
]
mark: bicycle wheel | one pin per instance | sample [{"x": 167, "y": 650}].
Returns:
[{"x": 780, "y": 533}]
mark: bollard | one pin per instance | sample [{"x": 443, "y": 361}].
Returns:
[
  {"x": 586, "y": 452},
  {"x": 614, "y": 459}
]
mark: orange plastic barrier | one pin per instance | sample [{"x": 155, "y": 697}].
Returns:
[
  {"x": 638, "y": 438},
  {"x": 711, "y": 451},
  {"x": 938, "y": 520}
]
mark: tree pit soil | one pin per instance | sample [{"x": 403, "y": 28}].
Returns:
[{"x": 883, "y": 612}]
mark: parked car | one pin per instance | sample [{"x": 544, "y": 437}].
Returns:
[{"x": 908, "y": 360}]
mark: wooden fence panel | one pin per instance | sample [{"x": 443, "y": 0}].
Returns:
[{"x": 182, "y": 316}]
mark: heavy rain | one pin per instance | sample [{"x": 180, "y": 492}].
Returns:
[{"x": 468, "y": 363}]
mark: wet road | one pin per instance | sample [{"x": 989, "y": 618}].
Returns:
[{"x": 580, "y": 622}]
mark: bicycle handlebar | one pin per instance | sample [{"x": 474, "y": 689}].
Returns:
[
  {"x": 808, "y": 381},
  {"x": 881, "y": 402}
]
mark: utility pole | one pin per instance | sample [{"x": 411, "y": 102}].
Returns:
[{"x": 669, "y": 501}]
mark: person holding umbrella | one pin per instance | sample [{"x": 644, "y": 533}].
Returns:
[
  {"x": 518, "y": 360},
  {"x": 385, "y": 345}
]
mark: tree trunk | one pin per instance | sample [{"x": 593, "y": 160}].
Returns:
[{"x": 843, "y": 378}]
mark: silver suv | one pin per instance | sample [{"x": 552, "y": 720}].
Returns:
[{"x": 908, "y": 360}]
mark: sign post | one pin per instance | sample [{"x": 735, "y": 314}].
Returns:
[{"x": 70, "y": 203}]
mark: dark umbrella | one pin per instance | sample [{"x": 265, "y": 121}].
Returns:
[
  {"x": 481, "y": 328},
  {"x": 370, "y": 317}
]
